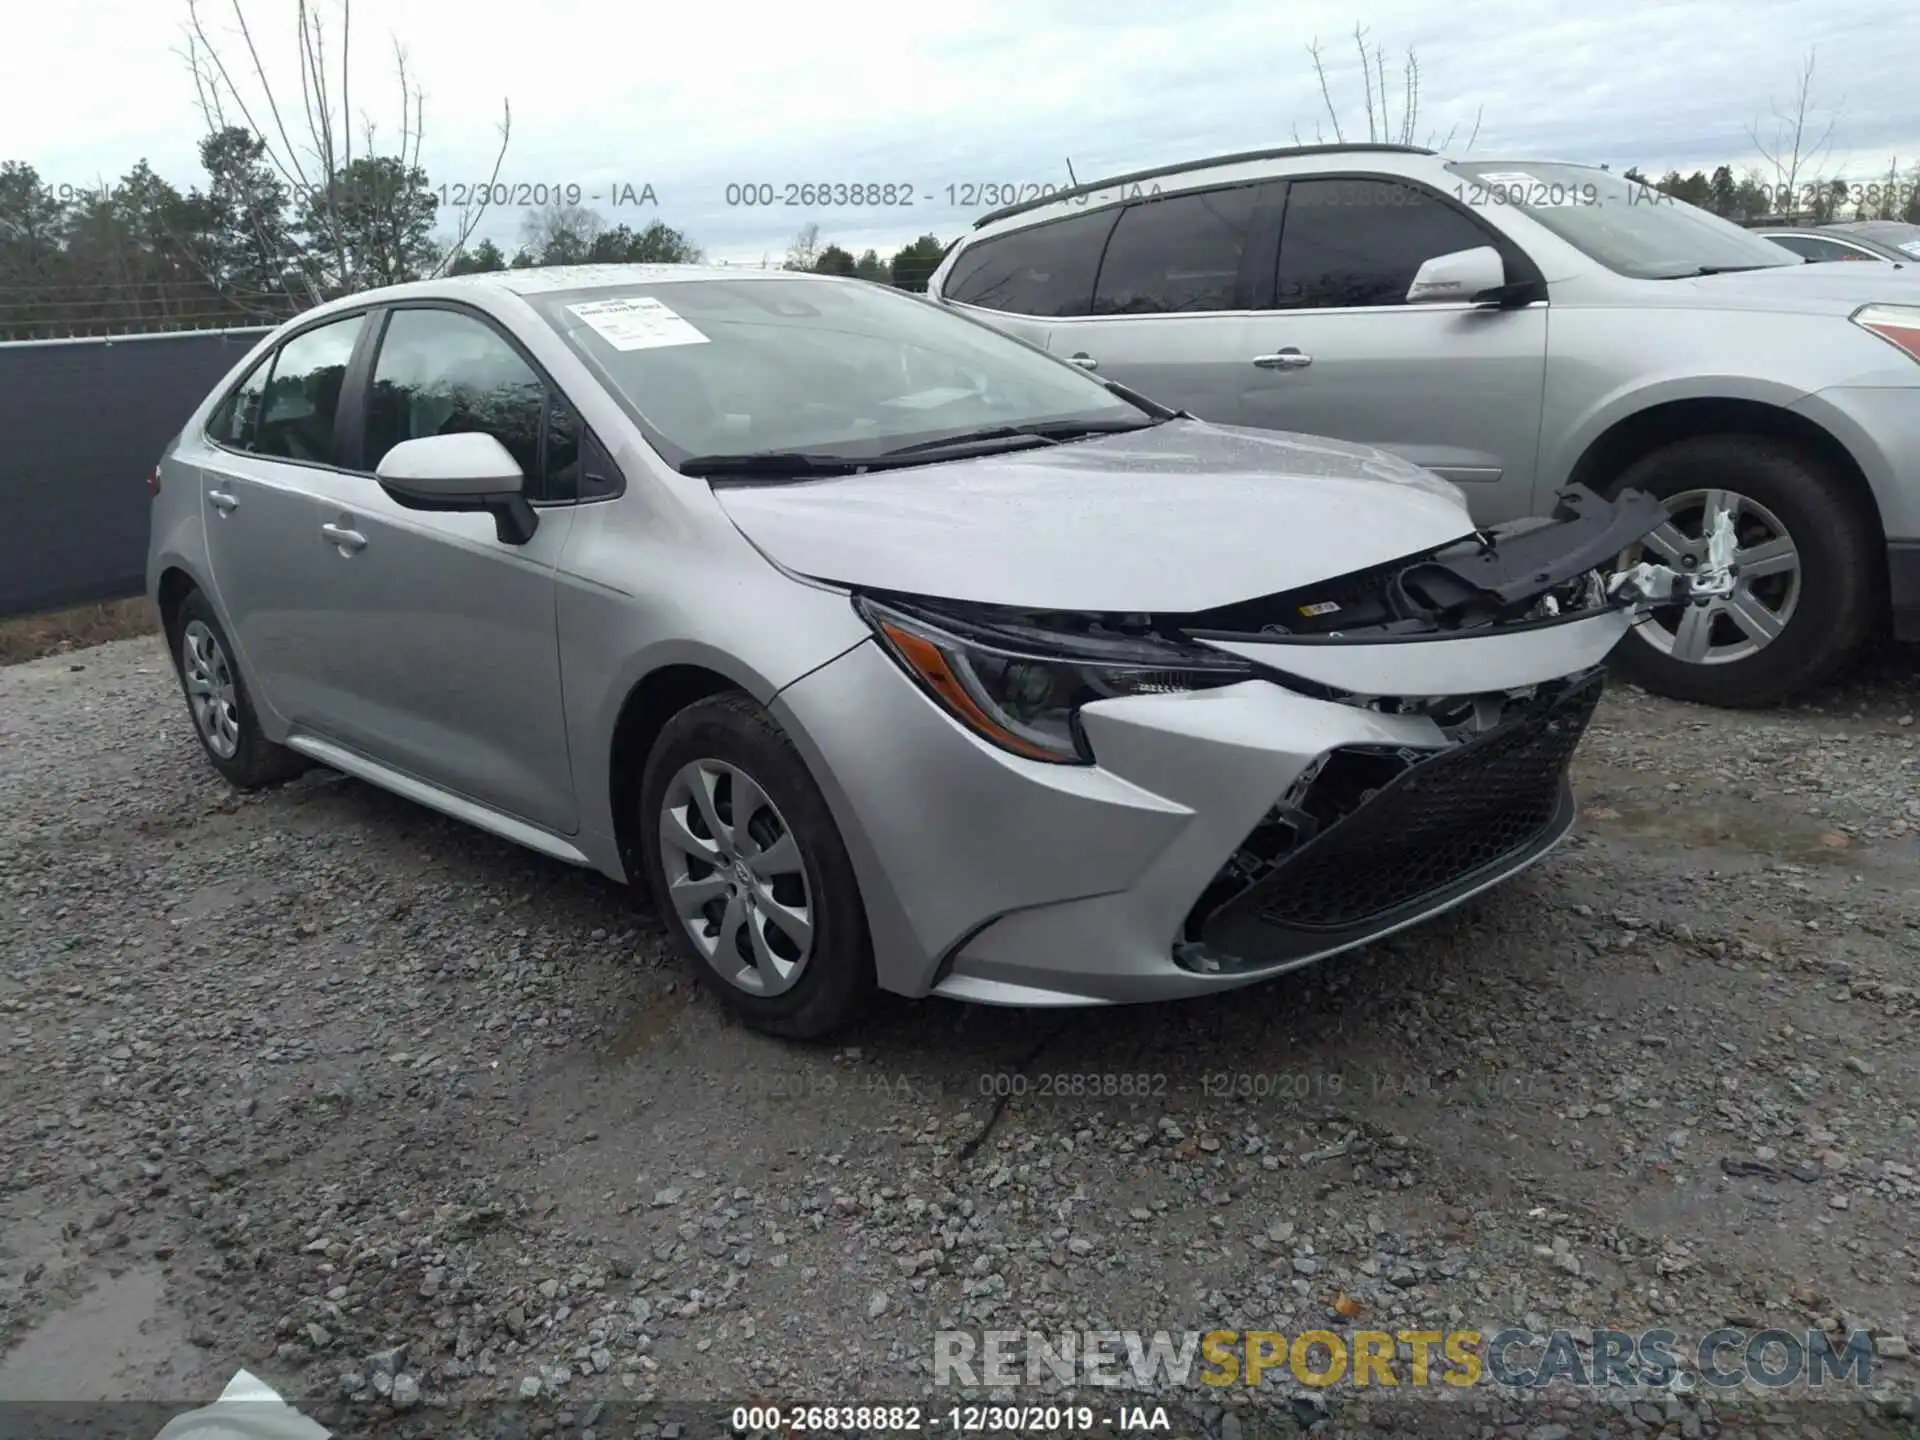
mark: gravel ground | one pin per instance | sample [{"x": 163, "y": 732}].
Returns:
[{"x": 410, "y": 1122}]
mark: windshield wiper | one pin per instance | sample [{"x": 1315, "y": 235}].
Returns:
[
  {"x": 1050, "y": 432},
  {"x": 772, "y": 463},
  {"x": 1722, "y": 270}
]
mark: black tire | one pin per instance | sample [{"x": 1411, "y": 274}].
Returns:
[
  {"x": 836, "y": 984},
  {"x": 256, "y": 761},
  {"x": 1836, "y": 542}
]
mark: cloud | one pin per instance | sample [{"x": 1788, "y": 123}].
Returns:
[{"x": 694, "y": 99}]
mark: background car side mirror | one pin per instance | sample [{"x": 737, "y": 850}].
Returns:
[
  {"x": 469, "y": 471},
  {"x": 1463, "y": 275}
]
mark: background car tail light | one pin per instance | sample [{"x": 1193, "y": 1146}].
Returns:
[{"x": 153, "y": 482}]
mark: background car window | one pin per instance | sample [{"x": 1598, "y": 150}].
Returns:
[
  {"x": 1812, "y": 247},
  {"x": 1045, "y": 270},
  {"x": 1178, "y": 252},
  {"x": 444, "y": 373},
  {"x": 297, "y": 411},
  {"x": 1360, "y": 242},
  {"x": 234, "y": 423}
]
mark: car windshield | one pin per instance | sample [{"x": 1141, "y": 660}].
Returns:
[
  {"x": 766, "y": 366},
  {"x": 1628, "y": 227}
]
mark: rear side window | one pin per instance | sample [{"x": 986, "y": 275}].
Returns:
[
  {"x": 1360, "y": 242},
  {"x": 303, "y": 395},
  {"x": 235, "y": 423},
  {"x": 1044, "y": 270},
  {"x": 1180, "y": 252}
]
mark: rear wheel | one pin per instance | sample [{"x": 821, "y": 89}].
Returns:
[
  {"x": 217, "y": 698},
  {"x": 749, "y": 872},
  {"x": 1802, "y": 603}
]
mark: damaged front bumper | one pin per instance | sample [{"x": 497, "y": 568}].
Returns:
[{"x": 1401, "y": 743}]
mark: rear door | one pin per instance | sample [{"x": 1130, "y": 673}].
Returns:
[
  {"x": 437, "y": 649},
  {"x": 1021, "y": 281},
  {"x": 269, "y": 441},
  {"x": 1454, "y": 387},
  {"x": 1180, "y": 301}
]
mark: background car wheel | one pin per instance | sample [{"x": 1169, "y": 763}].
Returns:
[
  {"x": 749, "y": 873},
  {"x": 217, "y": 698},
  {"x": 1803, "y": 600}
]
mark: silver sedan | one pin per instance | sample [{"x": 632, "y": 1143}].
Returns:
[{"x": 886, "y": 650}]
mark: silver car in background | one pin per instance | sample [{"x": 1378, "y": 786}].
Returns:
[
  {"x": 887, "y": 651},
  {"x": 1517, "y": 326}
]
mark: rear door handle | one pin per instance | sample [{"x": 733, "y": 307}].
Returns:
[
  {"x": 1287, "y": 359},
  {"x": 222, "y": 501},
  {"x": 1084, "y": 361},
  {"x": 347, "y": 540}
]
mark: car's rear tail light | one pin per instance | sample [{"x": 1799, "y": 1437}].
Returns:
[
  {"x": 153, "y": 481},
  {"x": 1896, "y": 324}
]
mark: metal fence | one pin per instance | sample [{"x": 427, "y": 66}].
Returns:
[{"x": 81, "y": 424}]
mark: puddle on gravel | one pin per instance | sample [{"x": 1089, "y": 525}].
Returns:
[
  {"x": 655, "y": 1018},
  {"x": 1757, "y": 829},
  {"x": 118, "y": 1341}
]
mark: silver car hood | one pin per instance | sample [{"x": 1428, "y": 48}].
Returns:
[
  {"x": 1182, "y": 517},
  {"x": 1835, "y": 287}
]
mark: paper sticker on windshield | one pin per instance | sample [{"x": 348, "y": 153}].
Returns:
[{"x": 638, "y": 324}]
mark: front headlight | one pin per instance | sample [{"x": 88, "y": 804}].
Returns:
[
  {"x": 1023, "y": 693},
  {"x": 1896, "y": 324}
]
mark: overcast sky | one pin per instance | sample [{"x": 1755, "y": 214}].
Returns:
[{"x": 690, "y": 98}]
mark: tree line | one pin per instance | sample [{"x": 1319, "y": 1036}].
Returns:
[{"x": 245, "y": 247}]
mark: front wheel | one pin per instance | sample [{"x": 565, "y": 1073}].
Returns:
[
  {"x": 749, "y": 873},
  {"x": 1802, "y": 602}
]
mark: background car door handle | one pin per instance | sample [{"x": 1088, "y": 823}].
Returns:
[
  {"x": 348, "y": 540},
  {"x": 222, "y": 501},
  {"x": 1084, "y": 361},
  {"x": 1287, "y": 359}
]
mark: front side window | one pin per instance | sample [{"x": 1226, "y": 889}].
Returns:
[
  {"x": 1179, "y": 253},
  {"x": 1361, "y": 241},
  {"x": 303, "y": 395},
  {"x": 1630, "y": 228},
  {"x": 1045, "y": 269},
  {"x": 444, "y": 373},
  {"x": 790, "y": 363}
]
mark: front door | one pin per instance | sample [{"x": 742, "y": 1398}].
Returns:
[
  {"x": 438, "y": 654},
  {"x": 1452, "y": 387}
]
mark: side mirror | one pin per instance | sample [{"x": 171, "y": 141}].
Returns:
[
  {"x": 1463, "y": 275},
  {"x": 461, "y": 472}
]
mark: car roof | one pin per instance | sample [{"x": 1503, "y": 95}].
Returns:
[
  {"x": 1188, "y": 167},
  {"x": 552, "y": 279},
  {"x": 1876, "y": 229}
]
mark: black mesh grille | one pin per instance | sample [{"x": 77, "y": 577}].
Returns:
[{"x": 1434, "y": 824}]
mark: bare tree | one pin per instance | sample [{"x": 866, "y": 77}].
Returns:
[
  {"x": 561, "y": 234},
  {"x": 1383, "y": 126},
  {"x": 310, "y": 147},
  {"x": 804, "y": 252},
  {"x": 1794, "y": 149}
]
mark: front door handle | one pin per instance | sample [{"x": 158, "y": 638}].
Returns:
[
  {"x": 1288, "y": 359},
  {"x": 1084, "y": 361},
  {"x": 222, "y": 501},
  {"x": 347, "y": 540}
]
